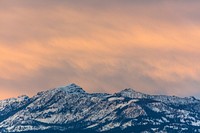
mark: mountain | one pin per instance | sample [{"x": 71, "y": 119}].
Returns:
[{"x": 70, "y": 109}]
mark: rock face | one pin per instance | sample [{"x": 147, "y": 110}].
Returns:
[{"x": 71, "y": 109}]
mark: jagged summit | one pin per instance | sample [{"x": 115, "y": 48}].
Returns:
[
  {"x": 23, "y": 97},
  {"x": 71, "y": 88},
  {"x": 128, "y": 92}
]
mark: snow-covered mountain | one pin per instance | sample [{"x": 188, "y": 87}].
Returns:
[{"x": 71, "y": 109}]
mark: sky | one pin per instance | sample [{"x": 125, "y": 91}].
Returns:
[{"x": 152, "y": 46}]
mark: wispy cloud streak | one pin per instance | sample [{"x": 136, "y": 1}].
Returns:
[{"x": 152, "y": 46}]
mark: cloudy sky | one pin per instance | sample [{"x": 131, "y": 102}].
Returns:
[{"x": 152, "y": 46}]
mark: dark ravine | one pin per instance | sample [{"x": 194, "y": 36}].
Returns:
[{"x": 70, "y": 109}]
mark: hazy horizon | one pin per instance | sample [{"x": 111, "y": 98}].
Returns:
[{"x": 151, "y": 46}]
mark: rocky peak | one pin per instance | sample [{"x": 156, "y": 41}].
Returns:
[
  {"x": 71, "y": 88},
  {"x": 132, "y": 93}
]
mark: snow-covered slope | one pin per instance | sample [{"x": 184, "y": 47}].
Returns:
[
  {"x": 71, "y": 109},
  {"x": 12, "y": 105}
]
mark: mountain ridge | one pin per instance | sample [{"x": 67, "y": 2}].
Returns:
[{"x": 71, "y": 109}]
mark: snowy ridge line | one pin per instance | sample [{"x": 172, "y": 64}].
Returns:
[{"x": 71, "y": 109}]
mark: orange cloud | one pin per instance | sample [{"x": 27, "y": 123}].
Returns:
[{"x": 108, "y": 47}]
